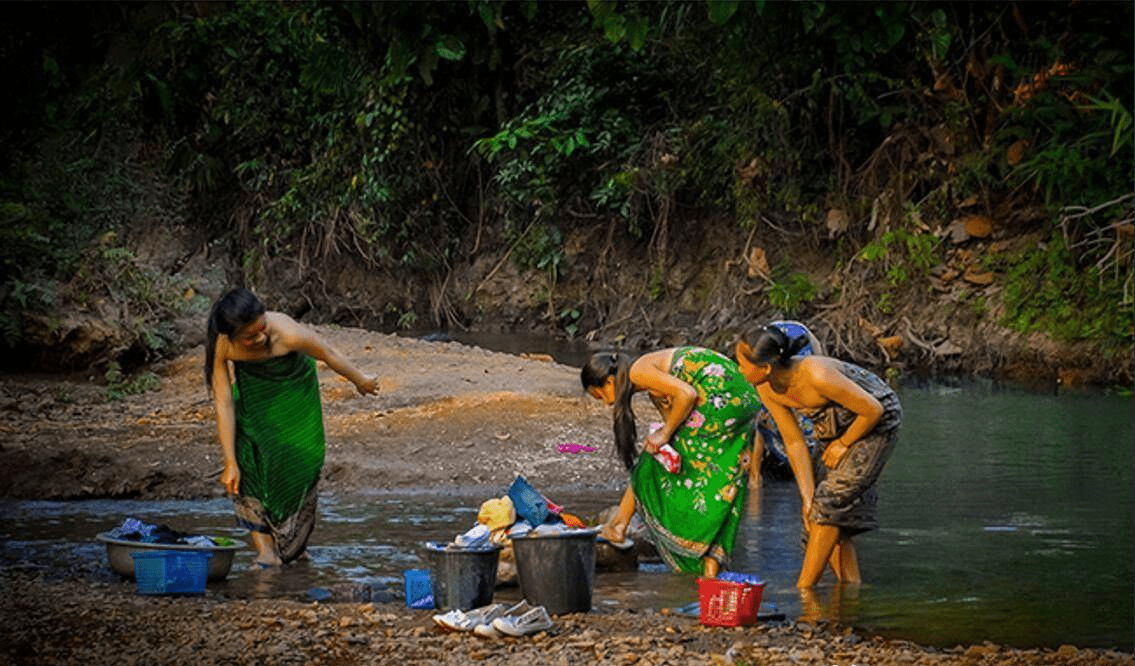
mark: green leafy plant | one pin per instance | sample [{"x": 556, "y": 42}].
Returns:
[
  {"x": 569, "y": 319},
  {"x": 118, "y": 385},
  {"x": 407, "y": 320},
  {"x": 1046, "y": 290},
  {"x": 789, "y": 291},
  {"x": 884, "y": 303},
  {"x": 903, "y": 253}
]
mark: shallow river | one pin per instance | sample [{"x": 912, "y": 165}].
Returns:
[{"x": 1005, "y": 516}]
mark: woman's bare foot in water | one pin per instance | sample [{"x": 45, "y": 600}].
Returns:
[
  {"x": 613, "y": 533},
  {"x": 266, "y": 551}
]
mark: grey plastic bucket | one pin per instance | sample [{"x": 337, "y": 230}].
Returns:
[
  {"x": 557, "y": 571},
  {"x": 462, "y": 579}
]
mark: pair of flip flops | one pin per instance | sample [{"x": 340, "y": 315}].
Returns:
[{"x": 496, "y": 620}]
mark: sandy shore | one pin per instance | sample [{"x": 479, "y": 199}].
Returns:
[{"x": 446, "y": 414}]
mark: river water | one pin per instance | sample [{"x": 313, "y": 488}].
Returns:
[{"x": 1005, "y": 516}]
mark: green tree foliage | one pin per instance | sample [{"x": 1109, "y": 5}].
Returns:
[{"x": 384, "y": 133}]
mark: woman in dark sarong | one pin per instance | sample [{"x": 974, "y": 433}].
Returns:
[
  {"x": 260, "y": 367},
  {"x": 708, "y": 408},
  {"x": 855, "y": 417}
]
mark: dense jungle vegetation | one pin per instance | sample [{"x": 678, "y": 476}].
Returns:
[{"x": 932, "y": 184}]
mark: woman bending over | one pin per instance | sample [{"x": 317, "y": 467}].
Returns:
[
  {"x": 855, "y": 416},
  {"x": 707, "y": 409}
]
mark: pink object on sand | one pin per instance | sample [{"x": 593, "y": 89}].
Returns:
[{"x": 572, "y": 447}]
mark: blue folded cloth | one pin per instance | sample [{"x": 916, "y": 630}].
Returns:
[
  {"x": 735, "y": 577},
  {"x": 529, "y": 503}
]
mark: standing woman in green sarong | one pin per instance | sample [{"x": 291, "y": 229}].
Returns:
[
  {"x": 260, "y": 368},
  {"x": 707, "y": 408}
]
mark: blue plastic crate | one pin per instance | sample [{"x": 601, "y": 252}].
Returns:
[
  {"x": 171, "y": 571},
  {"x": 419, "y": 589}
]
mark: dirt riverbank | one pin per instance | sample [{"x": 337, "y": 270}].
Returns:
[{"x": 446, "y": 415}]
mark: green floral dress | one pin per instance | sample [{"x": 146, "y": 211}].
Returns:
[{"x": 695, "y": 513}]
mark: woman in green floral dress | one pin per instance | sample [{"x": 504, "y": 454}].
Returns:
[{"x": 707, "y": 409}]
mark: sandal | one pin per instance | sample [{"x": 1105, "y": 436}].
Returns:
[
  {"x": 458, "y": 620},
  {"x": 531, "y": 622},
  {"x": 615, "y": 536},
  {"x": 621, "y": 545},
  {"x": 486, "y": 630}
]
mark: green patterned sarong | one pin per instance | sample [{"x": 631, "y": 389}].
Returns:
[
  {"x": 279, "y": 445},
  {"x": 695, "y": 513}
]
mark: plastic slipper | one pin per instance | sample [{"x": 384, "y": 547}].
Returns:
[
  {"x": 531, "y": 622},
  {"x": 468, "y": 620},
  {"x": 487, "y": 630},
  {"x": 621, "y": 545}
]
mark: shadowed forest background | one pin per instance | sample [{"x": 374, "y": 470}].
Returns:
[{"x": 936, "y": 188}]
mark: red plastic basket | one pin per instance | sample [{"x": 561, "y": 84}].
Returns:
[{"x": 724, "y": 603}]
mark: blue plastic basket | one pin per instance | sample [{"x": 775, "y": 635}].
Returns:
[
  {"x": 171, "y": 571},
  {"x": 419, "y": 590}
]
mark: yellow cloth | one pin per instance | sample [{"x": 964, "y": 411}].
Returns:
[{"x": 497, "y": 513}]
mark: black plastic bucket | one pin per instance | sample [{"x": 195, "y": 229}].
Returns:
[
  {"x": 557, "y": 571},
  {"x": 462, "y": 579}
]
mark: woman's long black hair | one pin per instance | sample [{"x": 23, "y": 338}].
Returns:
[
  {"x": 595, "y": 371},
  {"x": 236, "y": 309},
  {"x": 770, "y": 344}
]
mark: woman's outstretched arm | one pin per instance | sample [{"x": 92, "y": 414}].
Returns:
[
  {"x": 297, "y": 337},
  {"x": 794, "y": 445}
]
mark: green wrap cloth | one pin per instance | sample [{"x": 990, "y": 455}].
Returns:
[
  {"x": 279, "y": 431},
  {"x": 695, "y": 513}
]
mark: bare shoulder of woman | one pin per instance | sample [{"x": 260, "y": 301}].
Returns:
[
  {"x": 222, "y": 350},
  {"x": 818, "y": 374},
  {"x": 815, "y": 366},
  {"x": 658, "y": 360},
  {"x": 285, "y": 329}
]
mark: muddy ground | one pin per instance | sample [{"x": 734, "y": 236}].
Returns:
[{"x": 447, "y": 415}]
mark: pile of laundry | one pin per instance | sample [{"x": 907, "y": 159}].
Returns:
[
  {"x": 133, "y": 529},
  {"x": 522, "y": 512}
]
